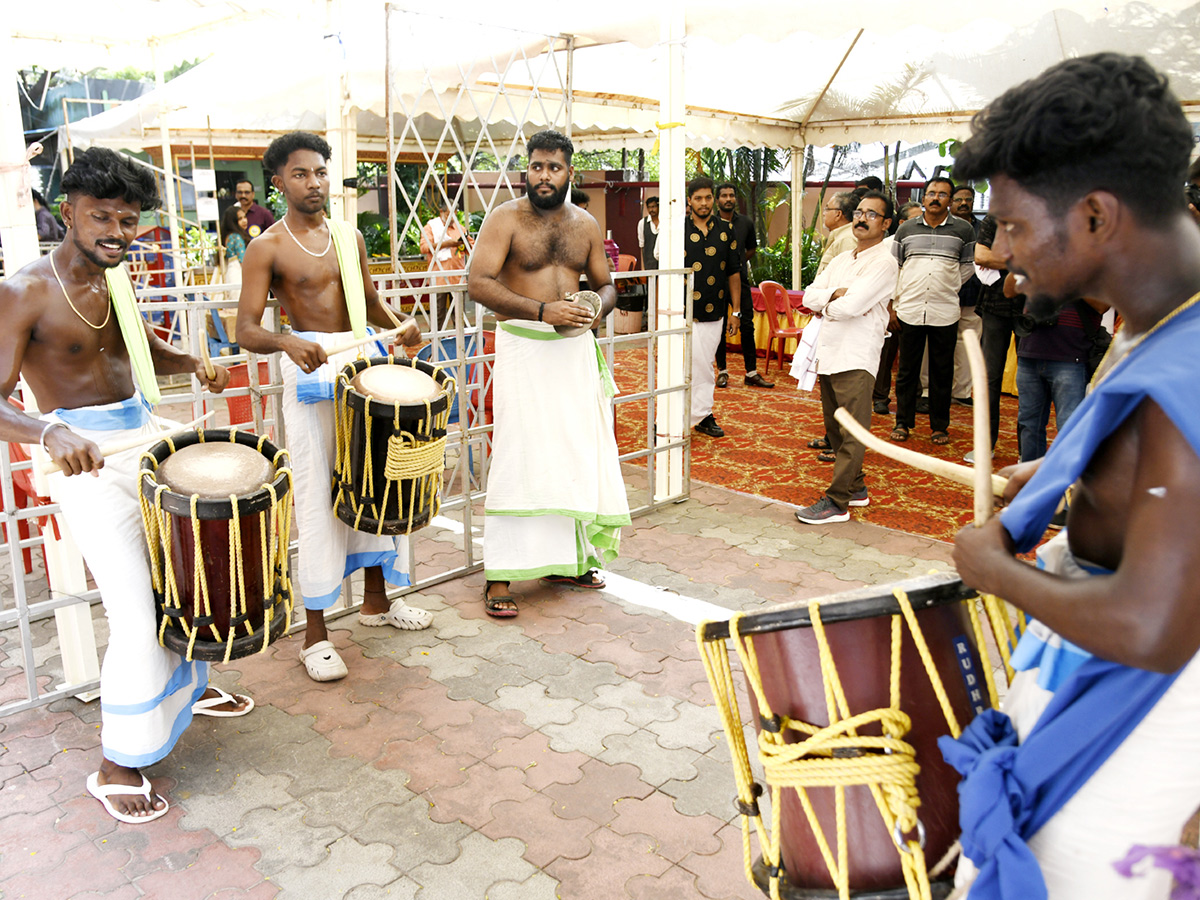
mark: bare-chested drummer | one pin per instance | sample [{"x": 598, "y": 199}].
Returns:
[
  {"x": 73, "y": 333},
  {"x": 1097, "y": 759},
  {"x": 297, "y": 259},
  {"x": 555, "y": 499}
]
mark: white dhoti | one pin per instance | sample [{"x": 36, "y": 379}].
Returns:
[
  {"x": 706, "y": 337},
  {"x": 1143, "y": 793},
  {"x": 555, "y": 501},
  {"x": 330, "y": 549},
  {"x": 146, "y": 691}
]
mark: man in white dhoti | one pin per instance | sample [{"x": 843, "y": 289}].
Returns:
[
  {"x": 555, "y": 501},
  {"x": 318, "y": 270},
  {"x": 73, "y": 332}
]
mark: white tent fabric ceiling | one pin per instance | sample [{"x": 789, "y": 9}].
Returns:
[{"x": 751, "y": 77}]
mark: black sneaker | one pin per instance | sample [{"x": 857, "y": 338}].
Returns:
[
  {"x": 722, "y": 379},
  {"x": 708, "y": 425},
  {"x": 823, "y": 512},
  {"x": 923, "y": 404},
  {"x": 963, "y": 401},
  {"x": 881, "y": 408}
]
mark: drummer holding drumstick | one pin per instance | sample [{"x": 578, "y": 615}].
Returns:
[
  {"x": 1099, "y": 749},
  {"x": 555, "y": 499},
  {"x": 317, "y": 269},
  {"x": 73, "y": 332}
]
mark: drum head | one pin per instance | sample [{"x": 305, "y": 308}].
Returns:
[
  {"x": 395, "y": 384},
  {"x": 592, "y": 299},
  {"x": 215, "y": 470}
]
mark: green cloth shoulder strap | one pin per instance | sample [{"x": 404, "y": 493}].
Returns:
[
  {"x": 133, "y": 330},
  {"x": 345, "y": 244}
]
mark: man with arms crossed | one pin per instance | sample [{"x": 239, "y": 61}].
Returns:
[
  {"x": 852, "y": 296},
  {"x": 1100, "y": 747},
  {"x": 73, "y": 332},
  {"x": 555, "y": 498},
  {"x": 318, "y": 270}
]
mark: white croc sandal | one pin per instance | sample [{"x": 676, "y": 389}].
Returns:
[
  {"x": 204, "y": 707},
  {"x": 322, "y": 662},
  {"x": 103, "y": 791},
  {"x": 402, "y": 616}
]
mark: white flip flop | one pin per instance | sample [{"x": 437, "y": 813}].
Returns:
[
  {"x": 103, "y": 791},
  {"x": 401, "y": 615},
  {"x": 204, "y": 707},
  {"x": 322, "y": 662}
]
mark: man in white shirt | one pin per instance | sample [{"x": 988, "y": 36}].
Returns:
[{"x": 851, "y": 295}]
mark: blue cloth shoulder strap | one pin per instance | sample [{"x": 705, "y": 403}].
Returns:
[{"x": 1162, "y": 368}]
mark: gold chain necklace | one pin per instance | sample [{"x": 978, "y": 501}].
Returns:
[
  {"x": 305, "y": 249},
  {"x": 58, "y": 278},
  {"x": 1102, "y": 372}
]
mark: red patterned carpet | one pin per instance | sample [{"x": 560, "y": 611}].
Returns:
[{"x": 764, "y": 450}]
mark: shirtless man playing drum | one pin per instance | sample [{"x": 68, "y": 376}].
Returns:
[
  {"x": 297, "y": 260},
  {"x": 555, "y": 500},
  {"x": 63, "y": 334},
  {"x": 1100, "y": 747}
]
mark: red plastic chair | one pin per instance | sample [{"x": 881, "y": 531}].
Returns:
[
  {"x": 241, "y": 411},
  {"x": 778, "y": 303},
  {"x": 25, "y": 495}
]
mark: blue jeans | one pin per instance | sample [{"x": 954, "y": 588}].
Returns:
[{"x": 1041, "y": 382}]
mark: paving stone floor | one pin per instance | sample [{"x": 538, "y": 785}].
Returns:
[{"x": 571, "y": 752}]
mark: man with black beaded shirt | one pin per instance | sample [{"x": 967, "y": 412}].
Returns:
[
  {"x": 747, "y": 245},
  {"x": 711, "y": 250}
]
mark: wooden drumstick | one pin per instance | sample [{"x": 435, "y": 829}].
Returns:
[
  {"x": 208, "y": 363},
  {"x": 50, "y": 466},
  {"x": 981, "y": 427},
  {"x": 358, "y": 342},
  {"x": 942, "y": 468}
]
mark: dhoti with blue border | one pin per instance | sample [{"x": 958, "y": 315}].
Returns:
[
  {"x": 555, "y": 499},
  {"x": 330, "y": 550},
  {"x": 146, "y": 691}
]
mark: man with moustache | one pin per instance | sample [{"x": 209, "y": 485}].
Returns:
[
  {"x": 852, "y": 296},
  {"x": 555, "y": 500},
  {"x": 1097, "y": 752},
  {"x": 936, "y": 257},
  {"x": 317, "y": 269},
  {"x": 747, "y": 241},
  {"x": 258, "y": 218},
  {"x": 73, "y": 332}
]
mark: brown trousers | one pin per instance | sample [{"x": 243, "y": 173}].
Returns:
[{"x": 852, "y": 390}]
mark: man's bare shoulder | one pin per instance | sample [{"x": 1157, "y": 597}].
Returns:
[{"x": 27, "y": 287}]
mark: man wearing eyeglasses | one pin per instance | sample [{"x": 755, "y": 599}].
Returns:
[
  {"x": 851, "y": 296},
  {"x": 836, "y": 219},
  {"x": 936, "y": 254}
]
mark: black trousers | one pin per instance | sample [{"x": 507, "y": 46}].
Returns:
[
  {"x": 745, "y": 330},
  {"x": 997, "y": 335},
  {"x": 941, "y": 340},
  {"x": 887, "y": 359}
]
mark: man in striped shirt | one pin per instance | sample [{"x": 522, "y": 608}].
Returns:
[{"x": 936, "y": 257}]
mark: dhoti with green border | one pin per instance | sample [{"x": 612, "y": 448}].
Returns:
[{"x": 555, "y": 499}]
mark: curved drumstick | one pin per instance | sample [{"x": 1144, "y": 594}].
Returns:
[
  {"x": 358, "y": 342},
  {"x": 981, "y": 427},
  {"x": 942, "y": 468},
  {"x": 50, "y": 466}
]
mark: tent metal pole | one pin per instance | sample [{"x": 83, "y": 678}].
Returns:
[
  {"x": 389, "y": 113},
  {"x": 168, "y": 178},
  {"x": 672, "y": 362},
  {"x": 796, "y": 210},
  {"x": 821, "y": 96},
  {"x": 570, "y": 86}
]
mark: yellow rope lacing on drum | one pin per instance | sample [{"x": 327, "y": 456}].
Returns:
[
  {"x": 276, "y": 520},
  {"x": 410, "y": 456},
  {"x": 833, "y": 756}
]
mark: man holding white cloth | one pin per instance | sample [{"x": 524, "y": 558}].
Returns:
[{"x": 851, "y": 295}]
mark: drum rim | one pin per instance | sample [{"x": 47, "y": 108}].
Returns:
[
  {"x": 924, "y": 592},
  {"x": 387, "y": 409},
  {"x": 256, "y": 501}
]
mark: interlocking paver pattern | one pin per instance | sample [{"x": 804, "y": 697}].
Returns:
[{"x": 571, "y": 753}]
